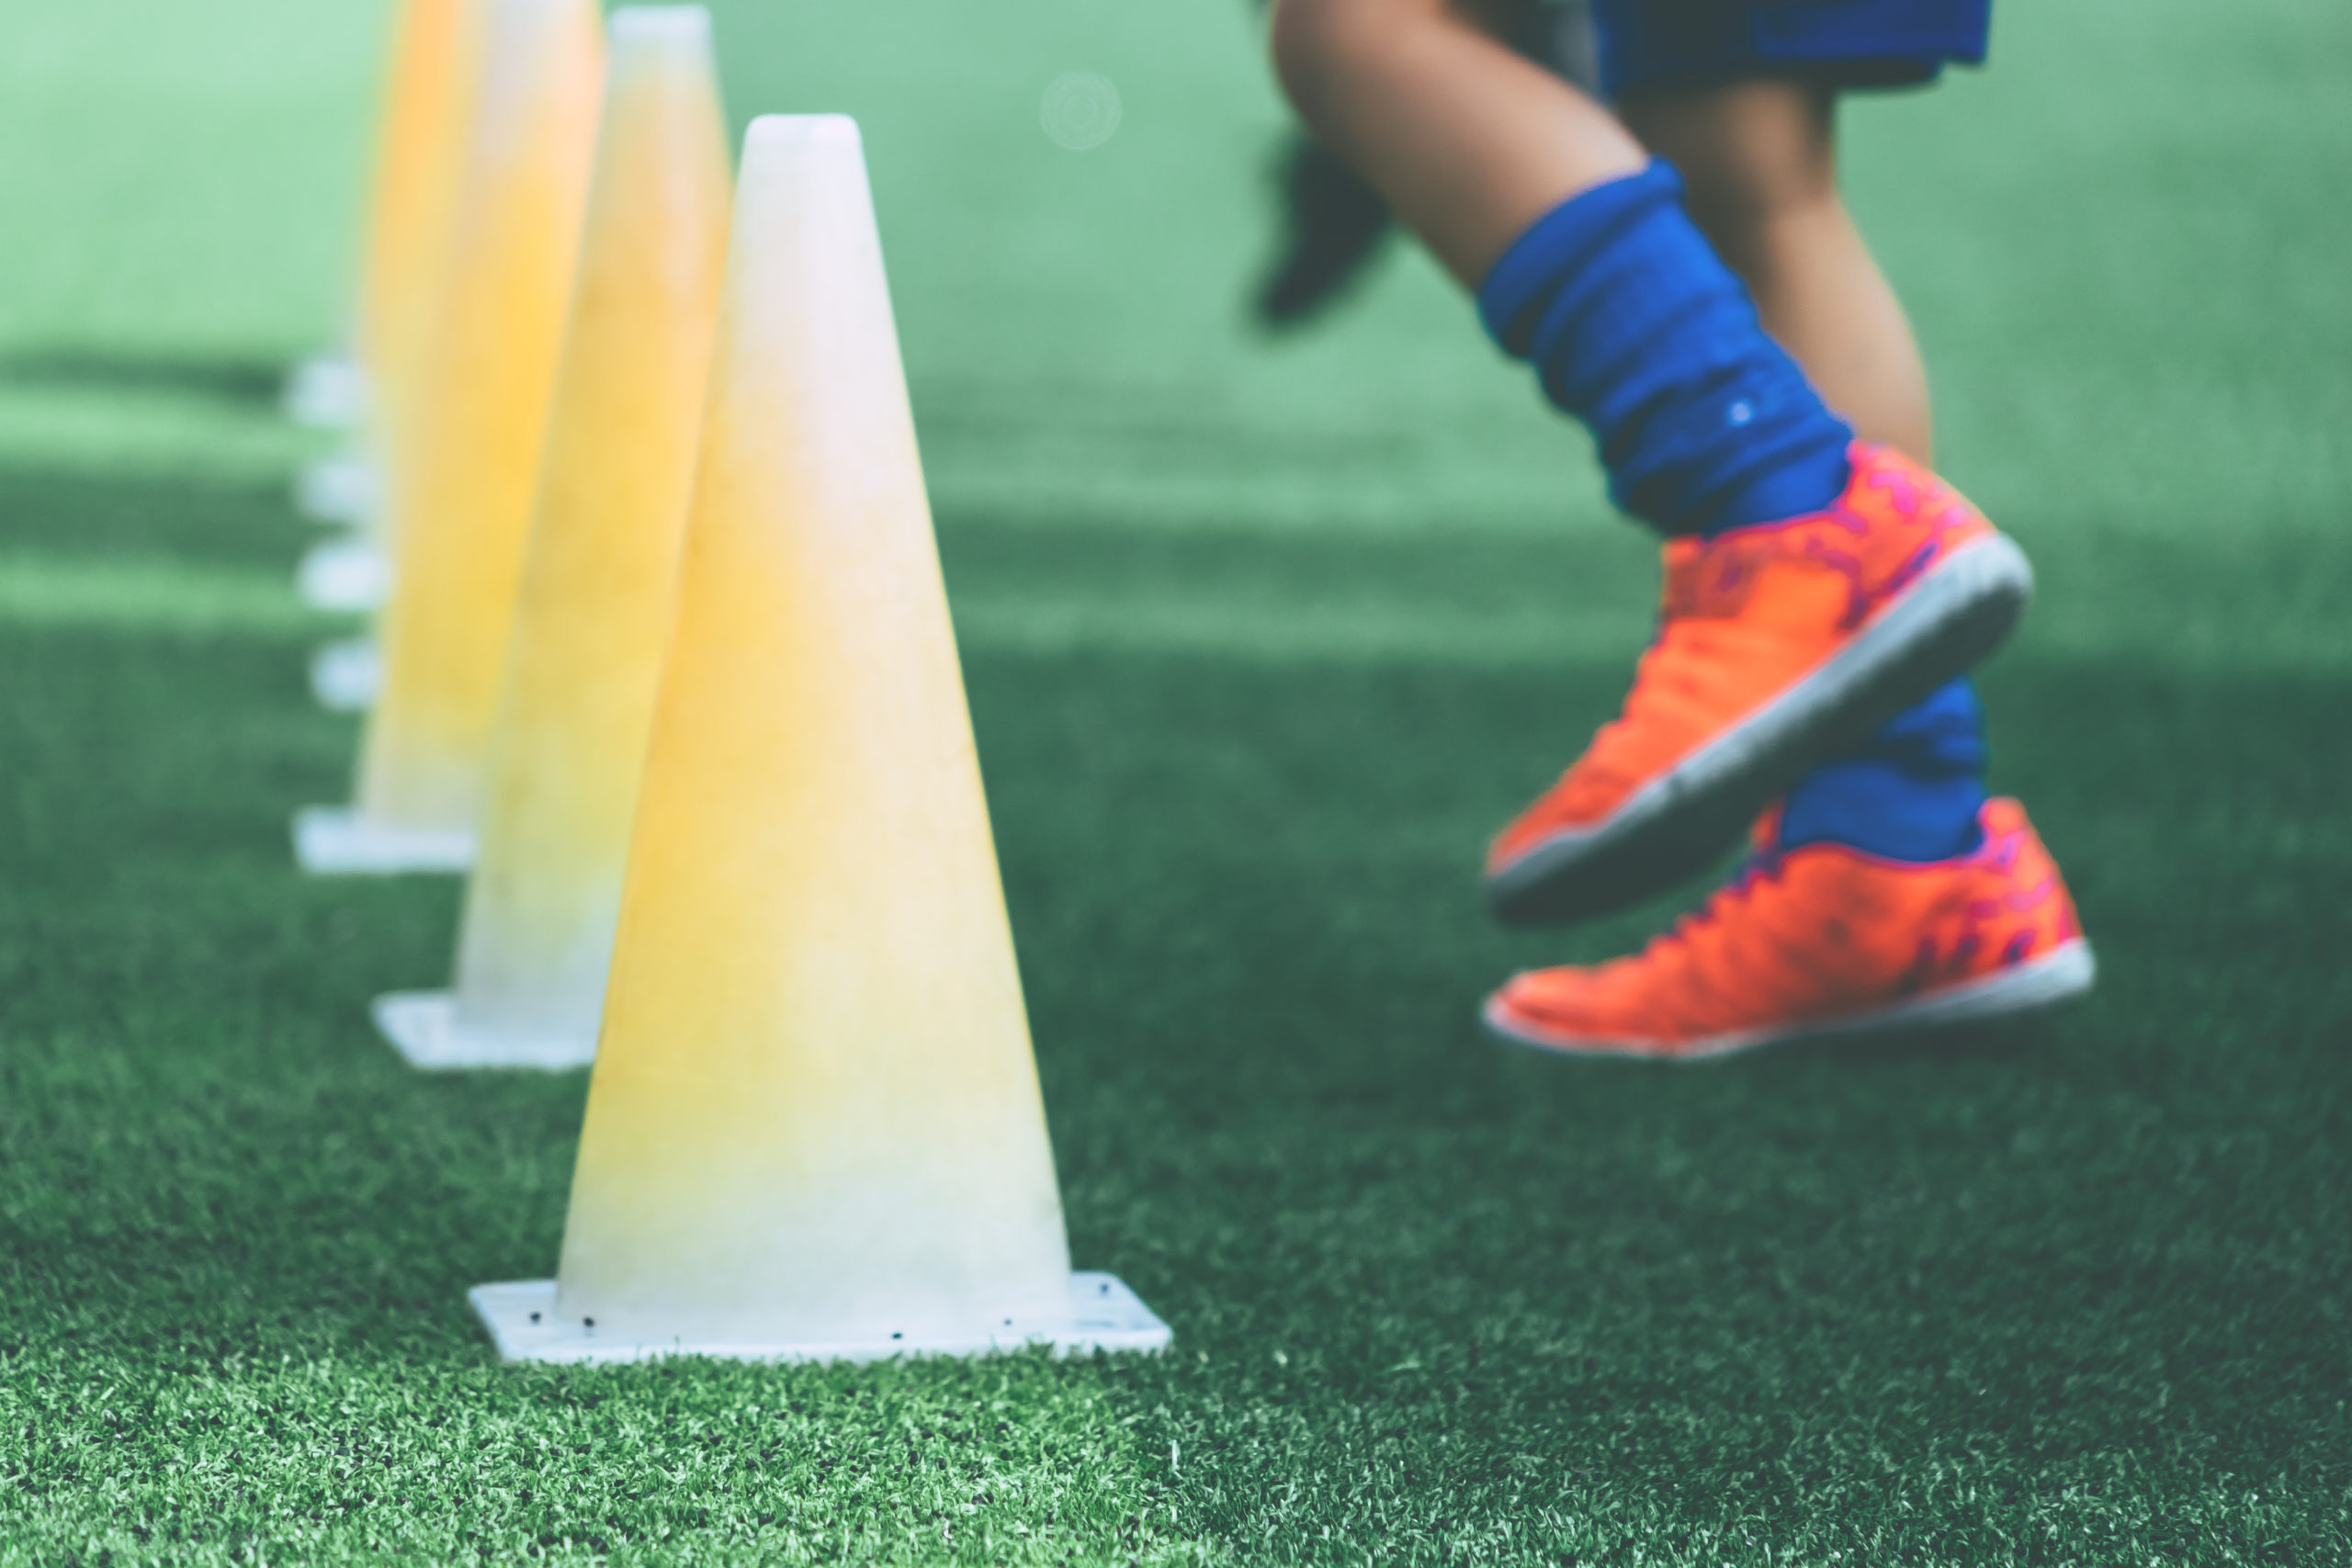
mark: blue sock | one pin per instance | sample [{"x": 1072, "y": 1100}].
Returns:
[
  {"x": 1637, "y": 328},
  {"x": 1912, "y": 792}
]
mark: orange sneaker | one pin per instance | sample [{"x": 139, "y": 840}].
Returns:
[
  {"x": 1778, "y": 647},
  {"x": 1824, "y": 940}
]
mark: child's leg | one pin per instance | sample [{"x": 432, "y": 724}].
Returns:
[
  {"x": 1759, "y": 164},
  {"x": 1583, "y": 258},
  {"x": 1758, "y": 159},
  {"x": 1893, "y": 892},
  {"x": 1469, "y": 141},
  {"x": 1472, "y": 143},
  {"x": 1779, "y": 647},
  {"x": 1814, "y": 599}
]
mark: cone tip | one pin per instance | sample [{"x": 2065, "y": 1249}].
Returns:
[
  {"x": 669, "y": 24},
  {"x": 802, "y": 130}
]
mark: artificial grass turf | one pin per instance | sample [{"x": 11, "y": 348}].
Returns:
[{"x": 1261, "y": 644}]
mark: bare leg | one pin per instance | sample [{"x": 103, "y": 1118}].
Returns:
[
  {"x": 1471, "y": 144},
  {"x": 1758, "y": 162},
  {"x": 1469, "y": 141}
]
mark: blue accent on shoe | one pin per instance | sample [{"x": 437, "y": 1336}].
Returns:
[
  {"x": 1635, "y": 326},
  {"x": 1913, "y": 792}
]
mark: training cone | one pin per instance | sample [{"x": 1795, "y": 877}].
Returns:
[
  {"x": 345, "y": 673},
  {"x": 462, "y": 494},
  {"x": 597, "y": 582},
  {"x": 340, "y": 492},
  {"x": 434, "y": 83},
  {"x": 346, "y": 575},
  {"x": 326, "y": 392},
  {"x": 427, "y": 88},
  {"x": 814, "y": 1128}
]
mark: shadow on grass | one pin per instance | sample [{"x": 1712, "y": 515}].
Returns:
[
  {"x": 249, "y": 381},
  {"x": 78, "y": 514}
]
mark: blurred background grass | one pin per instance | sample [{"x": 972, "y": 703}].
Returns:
[{"x": 1261, "y": 638}]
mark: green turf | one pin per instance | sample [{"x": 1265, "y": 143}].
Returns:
[{"x": 1261, "y": 640}]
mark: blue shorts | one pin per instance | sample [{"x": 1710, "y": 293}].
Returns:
[{"x": 1873, "y": 43}]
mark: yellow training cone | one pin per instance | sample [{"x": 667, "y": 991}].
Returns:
[
  {"x": 344, "y": 575},
  {"x": 462, "y": 493},
  {"x": 326, "y": 392},
  {"x": 430, "y": 97},
  {"x": 434, "y": 81},
  {"x": 814, "y": 1129},
  {"x": 597, "y": 582},
  {"x": 427, "y": 88}
]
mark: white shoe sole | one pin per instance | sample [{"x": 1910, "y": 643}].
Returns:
[{"x": 2056, "y": 977}]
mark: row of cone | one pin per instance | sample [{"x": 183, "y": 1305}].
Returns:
[{"x": 667, "y": 640}]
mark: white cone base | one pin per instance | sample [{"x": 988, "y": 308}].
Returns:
[
  {"x": 344, "y": 676},
  {"x": 423, "y": 1027},
  {"x": 344, "y": 574},
  {"x": 343, "y": 491},
  {"x": 334, "y": 840},
  {"x": 329, "y": 392},
  {"x": 1104, "y": 1316}
]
